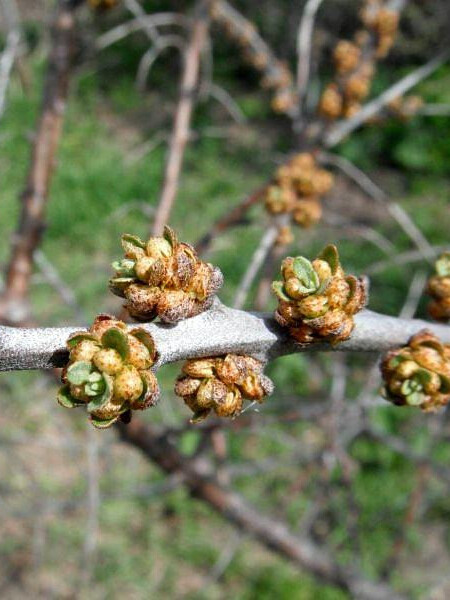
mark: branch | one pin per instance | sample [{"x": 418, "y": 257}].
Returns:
[
  {"x": 342, "y": 129},
  {"x": 213, "y": 333},
  {"x": 259, "y": 53},
  {"x": 372, "y": 190},
  {"x": 31, "y": 225},
  {"x": 236, "y": 216},
  {"x": 304, "y": 47},
  {"x": 141, "y": 22},
  {"x": 272, "y": 533},
  {"x": 9, "y": 54},
  {"x": 182, "y": 121}
]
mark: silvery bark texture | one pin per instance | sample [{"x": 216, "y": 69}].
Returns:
[{"x": 216, "y": 332}]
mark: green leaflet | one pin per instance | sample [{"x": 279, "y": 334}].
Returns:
[
  {"x": 117, "y": 339},
  {"x": 79, "y": 336},
  {"x": 99, "y": 401},
  {"x": 65, "y": 398},
  {"x": 330, "y": 255},
  {"x": 78, "y": 373}
]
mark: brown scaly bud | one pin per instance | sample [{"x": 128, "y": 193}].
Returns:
[
  {"x": 418, "y": 374},
  {"x": 322, "y": 182},
  {"x": 346, "y": 56},
  {"x": 357, "y": 87},
  {"x": 307, "y": 212},
  {"x": 221, "y": 385},
  {"x": 386, "y": 22},
  {"x": 438, "y": 288},
  {"x": 164, "y": 277},
  {"x": 331, "y": 101},
  {"x": 317, "y": 300},
  {"x": 279, "y": 199},
  {"x": 285, "y": 236},
  {"x": 109, "y": 371},
  {"x": 284, "y": 101}
]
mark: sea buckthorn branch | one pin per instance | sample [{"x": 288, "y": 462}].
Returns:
[
  {"x": 216, "y": 332},
  {"x": 273, "y": 533},
  {"x": 14, "y": 306},
  {"x": 355, "y": 61},
  {"x": 276, "y": 74},
  {"x": 342, "y": 128}
]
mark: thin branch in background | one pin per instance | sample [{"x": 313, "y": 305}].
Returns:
[
  {"x": 180, "y": 135},
  {"x": 232, "y": 218},
  {"x": 434, "y": 110},
  {"x": 277, "y": 75},
  {"x": 151, "y": 55},
  {"x": 143, "y": 22},
  {"x": 275, "y": 535},
  {"x": 10, "y": 14},
  {"x": 259, "y": 256},
  {"x": 13, "y": 301},
  {"x": 227, "y": 101},
  {"x": 304, "y": 48},
  {"x": 54, "y": 279},
  {"x": 265, "y": 284},
  {"x": 403, "y": 258},
  {"x": 342, "y": 129},
  {"x": 375, "y": 192}
]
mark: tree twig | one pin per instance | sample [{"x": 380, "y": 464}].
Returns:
[
  {"x": 9, "y": 54},
  {"x": 216, "y": 332},
  {"x": 304, "y": 47},
  {"x": 13, "y": 302},
  {"x": 342, "y": 129},
  {"x": 274, "y": 534},
  {"x": 259, "y": 256},
  {"x": 375, "y": 192},
  {"x": 183, "y": 115}
]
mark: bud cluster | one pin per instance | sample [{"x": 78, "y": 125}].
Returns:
[
  {"x": 276, "y": 74},
  {"x": 164, "y": 277},
  {"x": 109, "y": 372},
  {"x": 297, "y": 189},
  {"x": 221, "y": 385},
  {"x": 355, "y": 61},
  {"x": 418, "y": 374},
  {"x": 383, "y": 22},
  {"x": 316, "y": 300},
  {"x": 438, "y": 288}
]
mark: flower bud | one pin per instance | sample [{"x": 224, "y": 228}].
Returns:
[
  {"x": 187, "y": 386},
  {"x": 143, "y": 267},
  {"x": 231, "y": 404},
  {"x": 104, "y": 322},
  {"x": 108, "y": 361},
  {"x": 128, "y": 384},
  {"x": 84, "y": 350},
  {"x": 201, "y": 368},
  {"x": 322, "y": 268},
  {"x": 158, "y": 247},
  {"x": 313, "y": 306},
  {"x": 331, "y": 102}
]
